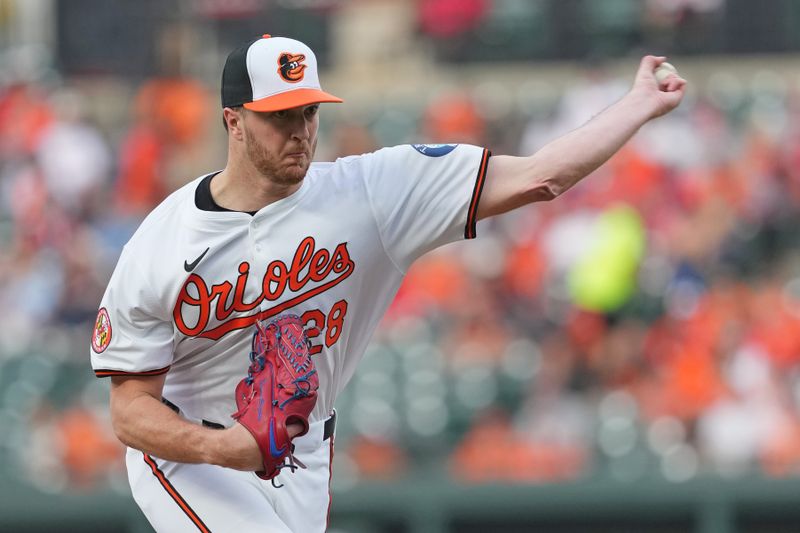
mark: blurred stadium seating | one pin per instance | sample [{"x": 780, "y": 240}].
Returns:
[{"x": 621, "y": 359}]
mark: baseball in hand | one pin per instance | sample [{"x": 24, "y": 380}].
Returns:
[{"x": 664, "y": 70}]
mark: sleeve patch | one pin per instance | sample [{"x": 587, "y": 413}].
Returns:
[
  {"x": 101, "y": 337},
  {"x": 434, "y": 150}
]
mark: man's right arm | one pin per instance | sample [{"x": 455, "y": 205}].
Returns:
[
  {"x": 512, "y": 182},
  {"x": 143, "y": 422}
]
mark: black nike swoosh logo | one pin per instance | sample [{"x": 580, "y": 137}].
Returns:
[{"x": 188, "y": 267}]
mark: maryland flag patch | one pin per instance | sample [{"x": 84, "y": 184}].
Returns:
[{"x": 101, "y": 336}]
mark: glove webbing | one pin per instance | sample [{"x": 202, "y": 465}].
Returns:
[{"x": 289, "y": 356}]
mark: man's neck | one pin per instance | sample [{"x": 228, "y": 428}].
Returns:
[{"x": 245, "y": 189}]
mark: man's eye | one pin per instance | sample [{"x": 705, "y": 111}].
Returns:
[
  {"x": 312, "y": 110},
  {"x": 280, "y": 114}
]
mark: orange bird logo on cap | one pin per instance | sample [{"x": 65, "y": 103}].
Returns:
[{"x": 291, "y": 67}]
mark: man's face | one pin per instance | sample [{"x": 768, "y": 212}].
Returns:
[{"x": 281, "y": 144}]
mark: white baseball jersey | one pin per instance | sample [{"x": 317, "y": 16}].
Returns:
[{"x": 190, "y": 283}]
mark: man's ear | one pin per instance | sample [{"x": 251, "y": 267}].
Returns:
[{"x": 233, "y": 117}]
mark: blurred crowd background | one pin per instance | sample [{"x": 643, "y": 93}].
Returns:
[{"x": 645, "y": 325}]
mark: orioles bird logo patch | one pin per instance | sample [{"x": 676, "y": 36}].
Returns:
[
  {"x": 291, "y": 67},
  {"x": 102, "y": 331}
]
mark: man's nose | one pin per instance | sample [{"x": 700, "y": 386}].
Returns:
[{"x": 301, "y": 129}]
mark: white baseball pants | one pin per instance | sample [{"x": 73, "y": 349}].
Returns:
[{"x": 179, "y": 497}]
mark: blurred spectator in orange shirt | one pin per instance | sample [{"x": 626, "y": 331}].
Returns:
[{"x": 171, "y": 115}]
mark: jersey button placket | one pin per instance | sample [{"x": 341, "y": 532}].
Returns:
[
  {"x": 254, "y": 237},
  {"x": 258, "y": 230}
]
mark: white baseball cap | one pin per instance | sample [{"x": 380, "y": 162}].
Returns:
[{"x": 271, "y": 74}]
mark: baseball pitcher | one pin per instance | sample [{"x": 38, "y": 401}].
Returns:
[{"x": 242, "y": 305}]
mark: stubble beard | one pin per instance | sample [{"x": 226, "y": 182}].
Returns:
[{"x": 275, "y": 169}]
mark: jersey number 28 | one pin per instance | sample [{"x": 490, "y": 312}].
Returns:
[{"x": 316, "y": 324}]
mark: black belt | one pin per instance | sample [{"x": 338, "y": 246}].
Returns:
[
  {"x": 330, "y": 426},
  {"x": 327, "y": 432}
]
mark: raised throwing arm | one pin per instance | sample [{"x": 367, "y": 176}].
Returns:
[{"x": 512, "y": 182}]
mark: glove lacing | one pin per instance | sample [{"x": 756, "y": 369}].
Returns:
[{"x": 292, "y": 463}]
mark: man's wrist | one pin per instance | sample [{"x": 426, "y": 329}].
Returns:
[
  {"x": 639, "y": 107},
  {"x": 236, "y": 448}
]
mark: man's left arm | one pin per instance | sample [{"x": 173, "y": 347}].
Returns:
[{"x": 512, "y": 182}]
